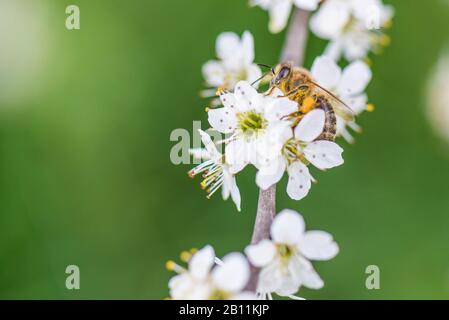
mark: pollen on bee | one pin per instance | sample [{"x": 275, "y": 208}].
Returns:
[
  {"x": 370, "y": 107},
  {"x": 308, "y": 104}
]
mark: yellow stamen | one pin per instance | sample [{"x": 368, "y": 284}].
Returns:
[
  {"x": 388, "y": 24},
  {"x": 370, "y": 107},
  {"x": 185, "y": 256},
  {"x": 170, "y": 265},
  {"x": 385, "y": 40},
  {"x": 368, "y": 61},
  {"x": 220, "y": 90},
  {"x": 193, "y": 250}
]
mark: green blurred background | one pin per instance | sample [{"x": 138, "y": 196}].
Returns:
[{"x": 85, "y": 173}]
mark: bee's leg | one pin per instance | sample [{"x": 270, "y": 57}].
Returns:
[
  {"x": 290, "y": 93},
  {"x": 270, "y": 91}
]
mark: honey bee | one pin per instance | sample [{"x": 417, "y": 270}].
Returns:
[{"x": 298, "y": 85}]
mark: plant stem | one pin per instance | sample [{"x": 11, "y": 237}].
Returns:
[
  {"x": 296, "y": 40},
  {"x": 293, "y": 51}
]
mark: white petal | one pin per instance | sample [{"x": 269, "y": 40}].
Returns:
[
  {"x": 233, "y": 274},
  {"x": 357, "y": 103},
  {"x": 288, "y": 227},
  {"x": 324, "y": 154},
  {"x": 311, "y": 126},
  {"x": 308, "y": 5},
  {"x": 184, "y": 287},
  {"x": 303, "y": 273},
  {"x": 329, "y": 21},
  {"x": 318, "y": 245},
  {"x": 227, "y": 44},
  {"x": 356, "y": 47},
  {"x": 279, "y": 108},
  {"x": 261, "y": 254},
  {"x": 245, "y": 95},
  {"x": 289, "y": 285},
  {"x": 209, "y": 144},
  {"x": 334, "y": 49},
  {"x": 179, "y": 286},
  {"x": 222, "y": 119},
  {"x": 307, "y": 274},
  {"x": 268, "y": 146},
  {"x": 237, "y": 155},
  {"x": 326, "y": 72},
  {"x": 247, "y": 48},
  {"x": 200, "y": 153},
  {"x": 201, "y": 263},
  {"x": 355, "y": 78},
  {"x": 271, "y": 173},
  {"x": 270, "y": 277},
  {"x": 253, "y": 73},
  {"x": 200, "y": 291},
  {"x": 228, "y": 100},
  {"x": 230, "y": 185},
  {"x": 299, "y": 181},
  {"x": 279, "y": 13},
  {"x": 214, "y": 74}
]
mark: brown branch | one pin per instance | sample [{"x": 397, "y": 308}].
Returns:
[
  {"x": 293, "y": 51},
  {"x": 295, "y": 42}
]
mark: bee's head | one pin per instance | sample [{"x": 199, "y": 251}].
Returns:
[{"x": 281, "y": 73}]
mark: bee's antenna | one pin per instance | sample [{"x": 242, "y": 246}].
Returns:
[
  {"x": 266, "y": 66},
  {"x": 263, "y": 76}
]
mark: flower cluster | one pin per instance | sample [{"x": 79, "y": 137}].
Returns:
[
  {"x": 260, "y": 131},
  {"x": 290, "y": 129},
  {"x": 235, "y": 63},
  {"x": 353, "y": 27},
  {"x": 284, "y": 261}
]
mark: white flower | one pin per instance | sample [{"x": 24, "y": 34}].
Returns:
[
  {"x": 192, "y": 283},
  {"x": 279, "y": 10},
  {"x": 352, "y": 26},
  {"x": 348, "y": 85},
  {"x": 236, "y": 62},
  {"x": 300, "y": 150},
  {"x": 256, "y": 124},
  {"x": 285, "y": 258},
  {"x": 208, "y": 278},
  {"x": 215, "y": 172}
]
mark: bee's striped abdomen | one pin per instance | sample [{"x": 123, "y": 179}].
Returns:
[{"x": 330, "y": 124}]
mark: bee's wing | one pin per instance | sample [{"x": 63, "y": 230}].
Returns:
[
  {"x": 340, "y": 108},
  {"x": 343, "y": 111}
]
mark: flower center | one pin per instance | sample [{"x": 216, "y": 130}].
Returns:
[
  {"x": 285, "y": 251},
  {"x": 251, "y": 122},
  {"x": 292, "y": 153}
]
